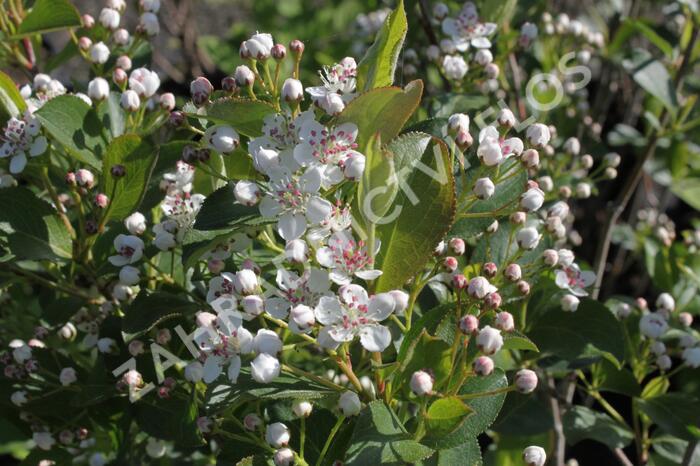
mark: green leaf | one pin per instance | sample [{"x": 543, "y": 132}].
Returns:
[
  {"x": 673, "y": 412},
  {"x": 196, "y": 243},
  {"x": 656, "y": 387},
  {"x": 284, "y": 387},
  {"x": 172, "y": 419},
  {"x": 446, "y": 414},
  {"x": 151, "y": 309},
  {"x": 424, "y": 352},
  {"x": 628, "y": 28},
  {"x": 11, "y": 102},
  {"x": 688, "y": 189},
  {"x": 611, "y": 379},
  {"x": 239, "y": 165},
  {"x": 378, "y": 186},
  {"x": 76, "y": 126},
  {"x": 49, "y": 15},
  {"x": 384, "y": 110},
  {"x": 507, "y": 194},
  {"x": 245, "y": 116},
  {"x": 380, "y": 438},
  {"x": 517, "y": 341},
  {"x": 377, "y": 67},
  {"x": 220, "y": 210},
  {"x": 498, "y": 11},
  {"x": 653, "y": 77},
  {"x": 112, "y": 115},
  {"x": 523, "y": 415},
  {"x": 429, "y": 323},
  {"x": 587, "y": 334},
  {"x": 467, "y": 454},
  {"x": 37, "y": 233},
  {"x": 582, "y": 423},
  {"x": 425, "y": 207},
  {"x": 485, "y": 410},
  {"x": 138, "y": 157}
]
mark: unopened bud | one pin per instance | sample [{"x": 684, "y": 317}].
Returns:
[
  {"x": 296, "y": 46},
  {"x": 228, "y": 84},
  {"x": 483, "y": 366},
  {"x": 523, "y": 287},
  {"x": 469, "y": 324},
  {"x": 118, "y": 171},
  {"x": 176, "y": 118},
  {"x": 278, "y": 52},
  {"x": 490, "y": 269}
]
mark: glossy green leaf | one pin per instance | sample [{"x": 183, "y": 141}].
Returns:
[
  {"x": 378, "y": 186},
  {"x": 630, "y": 27},
  {"x": 444, "y": 415},
  {"x": 467, "y": 454},
  {"x": 653, "y": 77},
  {"x": 35, "y": 229},
  {"x": 517, "y": 341},
  {"x": 485, "y": 410},
  {"x": 49, "y": 15},
  {"x": 11, "y": 102},
  {"x": 423, "y": 212},
  {"x": 221, "y": 210},
  {"x": 172, "y": 419},
  {"x": 384, "y": 110},
  {"x": 138, "y": 157},
  {"x": 380, "y": 438},
  {"x": 112, "y": 115},
  {"x": 673, "y": 412},
  {"x": 245, "y": 116},
  {"x": 582, "y": 423},
  {"x": 152, "y": 308},
  {"x": 377, "y": 67},
  {"x": 76, "y": 126},
  {"x": 587, "y": 334}
]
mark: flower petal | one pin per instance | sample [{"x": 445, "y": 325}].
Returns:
[
  {"x": 234, "y": 369},
  {"x": 291, "y": 226},
  {"x": 328, "y": 310},
  {"x": 212, "y": 369},
  {"x": 375, "y": 338},
  {"x": 380, "y": 306},
  {"x": 318, "y": 210}
]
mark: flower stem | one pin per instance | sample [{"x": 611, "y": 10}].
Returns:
[{"x": 329, "y": 440}]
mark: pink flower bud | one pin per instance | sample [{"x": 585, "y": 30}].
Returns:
[
  {"x": 215, "y": 266},
  {"x": 464, "y": 140},
  {"x": 469, "y": 324},
  {"x": 84, "y": 43},
  {"x": 504, "y": 321},
  {"x": 449, "y": 264},
  {"x": 518, "y": 218},
  {"x": 513, "y": 272},
  {"x": 457, "y": 246},
  {"x": 459, "y": 281},
  {"x": 483, "y": 365},
  {"x": 167, "y": 101},
  {"x": 523, "y": 287},
  {"x": 686, "y": 319},
  {"x": 163, "y": 336},
  {"x": 119, "y": 76},
  {"x": 200, "y": 89},
  {"x": 176, "y": 118},
  {"x": 641, "y": 304},
  {"x": 124, "y": 62},
  {"x": 490, "y": 269},
  {"x": 228, "y": 84},
  {"x": 550, "y": 257},
  {"x": 492, "y": 301},
  {"x": 296, "y": 46},
  {"x": 101, "y": 200},
  {"x": 70, "y": 179},
  {"x": 525, "y": 381},
  {"x": 88, "y": 21},
  {"x": 252, "y": 421},
  {"x": 283, "y": 457},
  {"x": 135, "y": 347},
  {"x": 421, "y": 383},
  {"x": 278, "y": 52}
]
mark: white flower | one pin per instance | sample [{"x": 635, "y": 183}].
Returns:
[
  {"x": 572, "y": 146},
  {"x": 109, "y": 18},
  {"x": 21, "y": 138},
  {"x": 666, "y": 302},
  {"x": 583, "y": 190},
  {"x": 283, "y": 457},
  {"x": 301, "y": 318},
  {"x": 98, "y": 89},
  {"x": 664, "y": 362},
  {"x": 267, "y": 341},
  {"x": 454, "y": 66},
  {"x": 327, "y": 149},
  {"x": 302, "y": 408},
  {"x": 534, "y": 456},
  {"x": 538, "y": 135},
  {"x": 223, "y": 340},
  {"x": 148, "y": 23},
  {"x": 296, "y": 251},
  {"x": 67, "y": 376},
  {"x": 43, "y": 440},
  {"x": 150, "y": 5},
  {"x": 653, "y": 325},
  {"x": 129, "y": 250},
  {"x": 526, "y": 381},
  {"x": 247, "y": 192},
  {"x": 106, "y": 345},
  {"x": 244, "y": 76},
  {"x": 489, "y": 340},
  {"x": 183, "y": 209},
  {"x": 349, "y": 403},
  {"x": 354, "y": 166},
  {"x": 292, "y": 90},
  {"x": 421, "y": 383},
  {"x": 484, "y": 188},
  {"x": 129, "y": 275},
  {"x": 294, "y": 201},
  {"x": 346, "y": 257},
  {"x": 483, "y": 57},
  {"x": 458, "y": 123},
  {"x": 532, "y": 199},
  {"x": 528, "y": 238},
  {"x": 566, "y": 257},
  {"x": 479, "y": 287},
  {"x": 155, "y": 448},
  {"x": 466, "y": 30},
  {"x": 99, "y": 53},
  {"x": 246, "y": 282},
  {"x": 165, "y": 235},
  {"x": 122, "y": 292},
  {"x": 492, "y": 150},
  {"x": 19, "y": 398},
  {"x": 135, "y": 223},
  {"x": 144, "y": 82},
  {"x": 338, "y": 80},
  {"x": 130, "y": 101},
  {"x": 295, "y": 290},
  {"x": 355, "y": 314},
  {"x": 528, "y": 33},
  {"x": 401, "y": 300},
  {"x": 264, "y": 368},
  {"x": 260, "y": 45},
  {"x": 340, "y": 219},
  {"x": 222, "y": 138},
  {"x": 691, "y": 356},
  {"x": 277, "y": 434},
  {"x": 572, "y": 279},
  {"x": 332, "y": 104},
  {"x": 194, "y": 371},
  {"x": 569, "y": 303},
  {"x": 180, "y": 181},
  {"x": 253, "y": 305}
]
